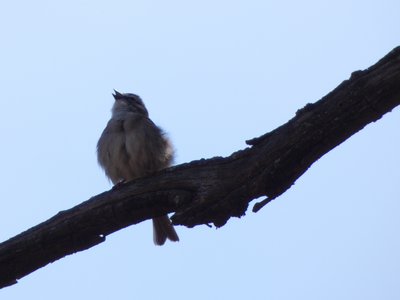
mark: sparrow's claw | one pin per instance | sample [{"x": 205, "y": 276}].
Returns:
[{"x": 119, "y": 183}]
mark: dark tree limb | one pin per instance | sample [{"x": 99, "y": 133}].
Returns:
[{"x": 213, "y": 190}]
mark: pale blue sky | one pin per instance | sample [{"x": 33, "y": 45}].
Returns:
[{"x": 212, "y": 74}]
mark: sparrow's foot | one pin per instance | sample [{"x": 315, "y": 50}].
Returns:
[{"x": 119, "y": 183}]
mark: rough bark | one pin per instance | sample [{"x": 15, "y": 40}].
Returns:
[{"x": 213, "y": 190}]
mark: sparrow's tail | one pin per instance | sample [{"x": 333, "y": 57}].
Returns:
[{"x": 163, "y": 230}]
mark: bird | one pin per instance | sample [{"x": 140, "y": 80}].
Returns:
[{"x": 132, "y": 146}]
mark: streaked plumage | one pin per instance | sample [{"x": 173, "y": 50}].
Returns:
[{"x": 132, "y": 146}]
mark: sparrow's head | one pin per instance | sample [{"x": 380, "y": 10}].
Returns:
[{"x": 128, "y": 103}]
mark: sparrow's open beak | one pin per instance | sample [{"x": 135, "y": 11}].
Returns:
[{"x": 117, "y": 95}]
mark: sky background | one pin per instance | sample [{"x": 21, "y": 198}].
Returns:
[{"x": 212, "y": 74}]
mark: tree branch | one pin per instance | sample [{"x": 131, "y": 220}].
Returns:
[{"x": 213, "y": 190}]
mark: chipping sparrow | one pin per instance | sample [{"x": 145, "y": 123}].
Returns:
[{"x": 132, "y": 146}]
